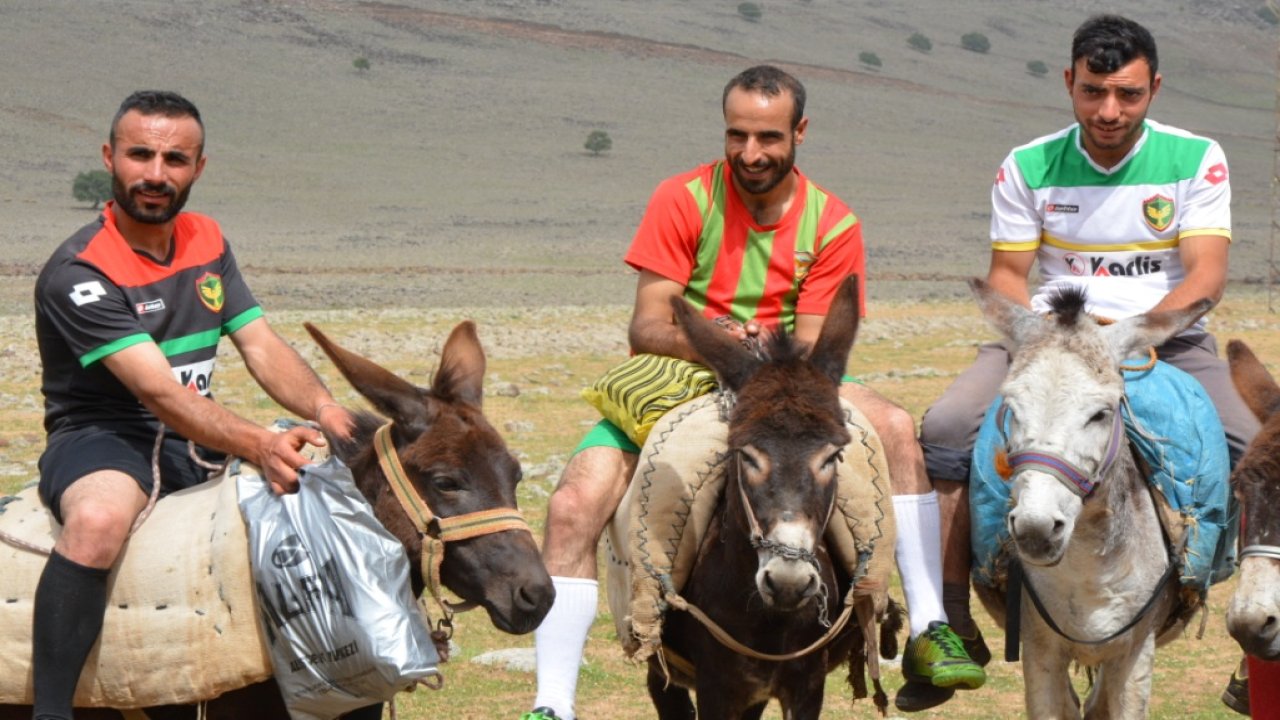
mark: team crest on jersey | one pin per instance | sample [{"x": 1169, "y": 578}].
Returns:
[
  {"x": 804, "y": 261},
  {"x": 209, "y": 288},
  {"x": 1157, "y": 211}
]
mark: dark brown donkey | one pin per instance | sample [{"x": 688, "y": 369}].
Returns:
[
  {"x": 762, "y": 573},
  {"x": 459, "y": 465},
  {"x": 1253, "y": 617}
]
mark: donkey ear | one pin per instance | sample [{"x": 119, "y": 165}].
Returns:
[
  {"x": 1136, "y": 334},
  {"x": 1013, "y": 320},
  {"x": 395, "y": 398},
  {"x": 732, "y": 362},
  {"x": 839, "y": 328},
  {"x": 462, "y": 364},
  {"x": 1256, "y": 385}
]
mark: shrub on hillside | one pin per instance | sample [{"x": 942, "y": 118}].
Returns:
[
  {"x": 361, "y": 64},
  {"x": 920, "y": 42},
  {"x": 1037, "y": 68},
  {"x": 598, "y": 141},
  {"x": 869, "y": 59},
  {"x": 750, "y": 11},
  {"x": 92, "y": 186},
  {"x": 975, "y": 41}
]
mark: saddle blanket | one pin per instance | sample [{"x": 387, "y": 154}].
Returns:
[
  {"x": 1175, "y": 428},
  {"x": 655, "y": 533},
  {"x": 181, "y": 623}
]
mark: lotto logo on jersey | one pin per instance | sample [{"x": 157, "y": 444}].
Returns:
[
  {"x": 196, "y": 377},
  {"x": 1216, "y": 174},
  {"x": 209, "y": 288},
  {"x": 1157, "y": 212},
  {"x": 87, "y": 292},
  {"x": 149, "y": 306}
]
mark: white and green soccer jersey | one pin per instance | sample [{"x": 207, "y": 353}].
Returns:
[{"x": 1114, "y": 232}]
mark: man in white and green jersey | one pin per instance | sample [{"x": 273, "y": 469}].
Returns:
[{"x": 1135, "y": 212}]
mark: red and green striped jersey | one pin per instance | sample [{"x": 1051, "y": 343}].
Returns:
[
  {"x": 697, "y": 231},
  {"x": 97, "y": 296}
]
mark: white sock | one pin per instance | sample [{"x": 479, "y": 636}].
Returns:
[
  {"x": 919, "y": 550},
  {"x": 560, "y": 640}
]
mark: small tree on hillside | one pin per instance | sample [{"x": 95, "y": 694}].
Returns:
[
  {"x": 750, "y": 11},
  {"x": 975, "y": 41},
  {"x": 361, "y": 64},
  {"x": 920, "y": 42},
  {"x": 92, "y": 186},
  {"x": 1037, "y": 68},
  {"x": 598, "y": 141},
  {"x": 869, "y": 59}
]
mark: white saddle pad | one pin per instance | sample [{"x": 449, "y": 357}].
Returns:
[{"x": 180, "y": 624}]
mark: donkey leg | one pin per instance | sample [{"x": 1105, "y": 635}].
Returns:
[
  {"x": 1124, "y": 684},
  {"x": 801, "y": 694},
  {"x": 1046, "y": 676},
  {"x": 671, "y": 701}
]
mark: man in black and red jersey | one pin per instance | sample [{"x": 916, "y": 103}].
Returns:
[{"x": 129, "y": 311}]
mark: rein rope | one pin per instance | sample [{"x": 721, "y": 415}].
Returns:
[
  {"x": 435, "y": 531},
  {"x": 151, "y": 499}
]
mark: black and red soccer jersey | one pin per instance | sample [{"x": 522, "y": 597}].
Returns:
[{"x": 96, "y": 296}]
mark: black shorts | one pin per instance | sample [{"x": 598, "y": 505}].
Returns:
[{"x": 74, "y": 453}]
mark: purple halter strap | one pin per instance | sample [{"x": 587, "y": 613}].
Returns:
[{"x": 1062, "y": 469}]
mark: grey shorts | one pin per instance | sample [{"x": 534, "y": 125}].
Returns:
[
  {"x": 74, "y": 453},
  {"x": 950, "y": 426}
]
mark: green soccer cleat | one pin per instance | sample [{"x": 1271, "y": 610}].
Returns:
[
  {"x": 937, "y": 657},
  {"x": 542, "y": 713}
]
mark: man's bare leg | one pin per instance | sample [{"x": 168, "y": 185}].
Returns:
[{"x": 589, "y": 491}]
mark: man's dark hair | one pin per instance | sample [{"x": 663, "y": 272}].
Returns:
[
  {"x": 770, "y": 81},
  {"x": 157, "y": 102},
  {"x": 1109, "y": 42}
]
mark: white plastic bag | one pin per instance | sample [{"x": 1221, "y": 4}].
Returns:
[{"x": 333, "y": 595}]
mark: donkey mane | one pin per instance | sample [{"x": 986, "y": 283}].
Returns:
[
  {"x": 1067, "y": 304},
  {"x": 349, "y": 451},
  {"x": 780, "y": 401}
]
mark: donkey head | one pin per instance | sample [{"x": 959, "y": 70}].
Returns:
[
  {"x": 459, "y": 464},
  {"x": 1062, "y": 404},
  {"x": 1253, "y": 617},
  {"x": 786, "y": 434}
]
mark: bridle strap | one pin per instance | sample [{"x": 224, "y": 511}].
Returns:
[
  {"x": 760, "y": 542},
  {"x": 1075, "y": 479},
  {"x": 436, "y": 531},
  {"x": 1263, "y": 551}
]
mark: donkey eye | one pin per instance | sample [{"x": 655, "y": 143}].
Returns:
[
  {"x": 833, "y": 459},
  {"x": 1100, "y": 416},
  {"x": 446, "y": 483}
]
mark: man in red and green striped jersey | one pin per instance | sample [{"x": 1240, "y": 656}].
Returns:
[
  {"x": 749, "y": 237},
  {"x": 129, "y": 313}
]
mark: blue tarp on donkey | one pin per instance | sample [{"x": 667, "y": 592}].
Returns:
[{"x": 1178, "y": 433}]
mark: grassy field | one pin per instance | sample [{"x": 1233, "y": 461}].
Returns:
[{"x": 538, "y": 361}]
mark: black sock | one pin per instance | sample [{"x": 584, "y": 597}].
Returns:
[{"x": 70, "y": 603}]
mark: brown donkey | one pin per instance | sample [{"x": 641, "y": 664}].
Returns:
[
  {"x": 459, "y": 465},
  {"x": 762, "y": 572}
]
